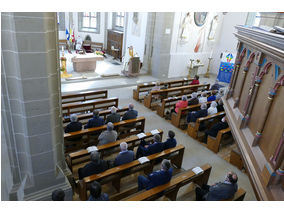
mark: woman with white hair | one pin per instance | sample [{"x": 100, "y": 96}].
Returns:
[
  {"x": 181, "y": 104},
  {"x": 203, "y": 98},
  {"x": 113, "y": 117},
  {"x": 213, "y": 108},
  {"x": 74, "y": 125},
  {"x": 194, "y": 99}
]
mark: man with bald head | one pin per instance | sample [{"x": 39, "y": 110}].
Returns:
[
  {"x": 219, "y": 191},
  {"x": 125, "y": 156},
  {"x": 108, "y": 136},
  {"x": 130, "y": 114}
]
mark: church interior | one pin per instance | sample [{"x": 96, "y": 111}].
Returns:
[{"x": 58, "y": 68}]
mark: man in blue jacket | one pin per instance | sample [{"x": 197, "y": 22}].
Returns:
[
  {"x": 125, "y": 156},
  {"x": 156, "y": 178},
  {"x": 171, "y": 141},
  {"x": 145, "y": 150},
  {"x": 95, "y": 121},
  {"x": 219, "y": 191}
]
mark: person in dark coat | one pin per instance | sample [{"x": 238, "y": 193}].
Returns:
[
  {"x": 125, "y": 156},
  {"x": 193, "y": 116},
  {"x": 74, "y": 125},
  {"x": 58, "y": 195},
  {"x": 156, "y": 178},
  {"x": 194, "y": 99},
  {"x": 216, "y": 85},
  {"x": 94, "y": 167},
  {"x": 171, "y": 141},
  {"x": 213, "y": 131},
  {"x": 130, "y": 114},
  {"x": 220, "y": 106},
  {"x": 113, "y": 117},
  {"x": 219, "y": 191},
  {"x": 96, "y": 192},
  {"x": 96, "y": 121},
  {"x": 155, "y": 147}
]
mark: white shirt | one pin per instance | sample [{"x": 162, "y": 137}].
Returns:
[
  {"x": 212, "y": 110},
  {"x": 202, "y": 100}
]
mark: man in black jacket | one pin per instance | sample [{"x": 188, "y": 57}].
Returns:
[
  {"x": 219, "y": 191},
  {"x": 213, "y": 131},
  {"x": 94, "y": 167},
  {"x": 193, "y": 116}
]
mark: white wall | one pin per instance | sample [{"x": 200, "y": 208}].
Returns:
[
  {"x": 227, "y": 40},
  {"x": 137, "y": 40},
  {"x": 181, "y": 53},
  {"x": 96, "y": 37}
]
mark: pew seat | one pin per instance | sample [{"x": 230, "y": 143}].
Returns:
[
  {"x": 84, "y": 96},
  {"x": 214, "y": 143}
]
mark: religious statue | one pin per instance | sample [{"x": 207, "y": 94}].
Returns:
[
  {"x": 213, "y": 27},
  {"x": 184, "y": 36}
]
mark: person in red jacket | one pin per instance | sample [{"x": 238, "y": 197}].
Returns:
[
  {"x": 195, "y": 81},
  {"x": 181, "y": 104}
]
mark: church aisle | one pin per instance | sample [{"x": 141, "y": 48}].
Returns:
[{"x": 195, "y": 153}]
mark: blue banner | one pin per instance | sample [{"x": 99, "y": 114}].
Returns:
[{"x": 225, "y": 72}]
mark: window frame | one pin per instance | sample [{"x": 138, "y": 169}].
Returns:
[
  {"x": 89, "y": 29},
  {"x": 114, "y": 18}
]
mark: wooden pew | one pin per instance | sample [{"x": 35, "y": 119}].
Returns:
[
  {"x": 176, "y": 91},
  {"x": 214, "y": 143},
  {"x": 90, "y": 136},
  {"x": 238, "y": 196},
  {"x": 90, "y": 105},
  {"x": 192, "y": 128},
  {"x": 177, "y": 117},
  {"x": 84, "y": 96},
  {"x": 146, "y": 87},
  {"x": 236, "y": 159},
  {"x": 171, "y": 189},
  {"x": 170, "y": 102},
  {"x": 132, "y": 141},
  {"x": 83, "y": 118},
  {"x": 115, "y": 174}
]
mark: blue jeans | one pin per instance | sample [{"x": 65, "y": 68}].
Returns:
[{"x": 142, "y": 182}]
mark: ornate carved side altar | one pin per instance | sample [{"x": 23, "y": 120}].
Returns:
[{"x": 255, "y": 109}]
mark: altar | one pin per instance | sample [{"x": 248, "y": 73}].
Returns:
[{"x": 86, "y": 62}]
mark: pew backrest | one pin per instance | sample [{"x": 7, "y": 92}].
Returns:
[{"x": 84, "y": 96}]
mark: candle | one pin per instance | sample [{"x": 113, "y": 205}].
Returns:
[
  {"x": 211, "y": 54},
  {"x": 62, "y": 49}
]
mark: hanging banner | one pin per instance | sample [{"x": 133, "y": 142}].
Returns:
[{"x": 226, "y": 67}]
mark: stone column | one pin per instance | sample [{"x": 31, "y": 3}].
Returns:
[{"x": 32, "y": 135}]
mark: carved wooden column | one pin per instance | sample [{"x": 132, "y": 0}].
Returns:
[
  {"x": 235, "y": 73},
  {"x": 278, "y": 155},
  {"x": 252, "y": 95},
  {"x": 271, "y": 95},
  {"x": 246, "y": 68}
]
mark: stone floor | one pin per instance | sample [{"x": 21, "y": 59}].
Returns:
[{"x": 195, "y": 153}]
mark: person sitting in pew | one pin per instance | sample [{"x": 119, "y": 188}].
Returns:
[
  {"x": 213, "y": 131},
  {"x": 94, "y": 167},
  {"x": 194, "y": 99},
  {"x": 125, "y": 156},
  {"x": 203, "y": 98},
  {"x": 74, "y": 125},
  {"x": 96, "y": 192},
  {"x": 221, "y": 92},
  {"x": 130, "y": 114},
  {"x": 213, "y": 96},
  {"x": 113, "y": 117},
  {"x": 195, "y": 81},
  {"x": 220, "y": 106},
  {"x": 145, "y": 149},
  {"x": 213, "y": 108},
  {"x": 193, "y": 116},
  {"x": 219, "y": 191},
  {"x": 216, "y": 85},
  {"x": 96, "y": 121},
  {"x": 156, "y": 178},
  {"x": 171, "y": 141},
  {"x": 181, "y": 104},
  {"x": 58, "y": 195},
  {"x": 107, "y": 136}
]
